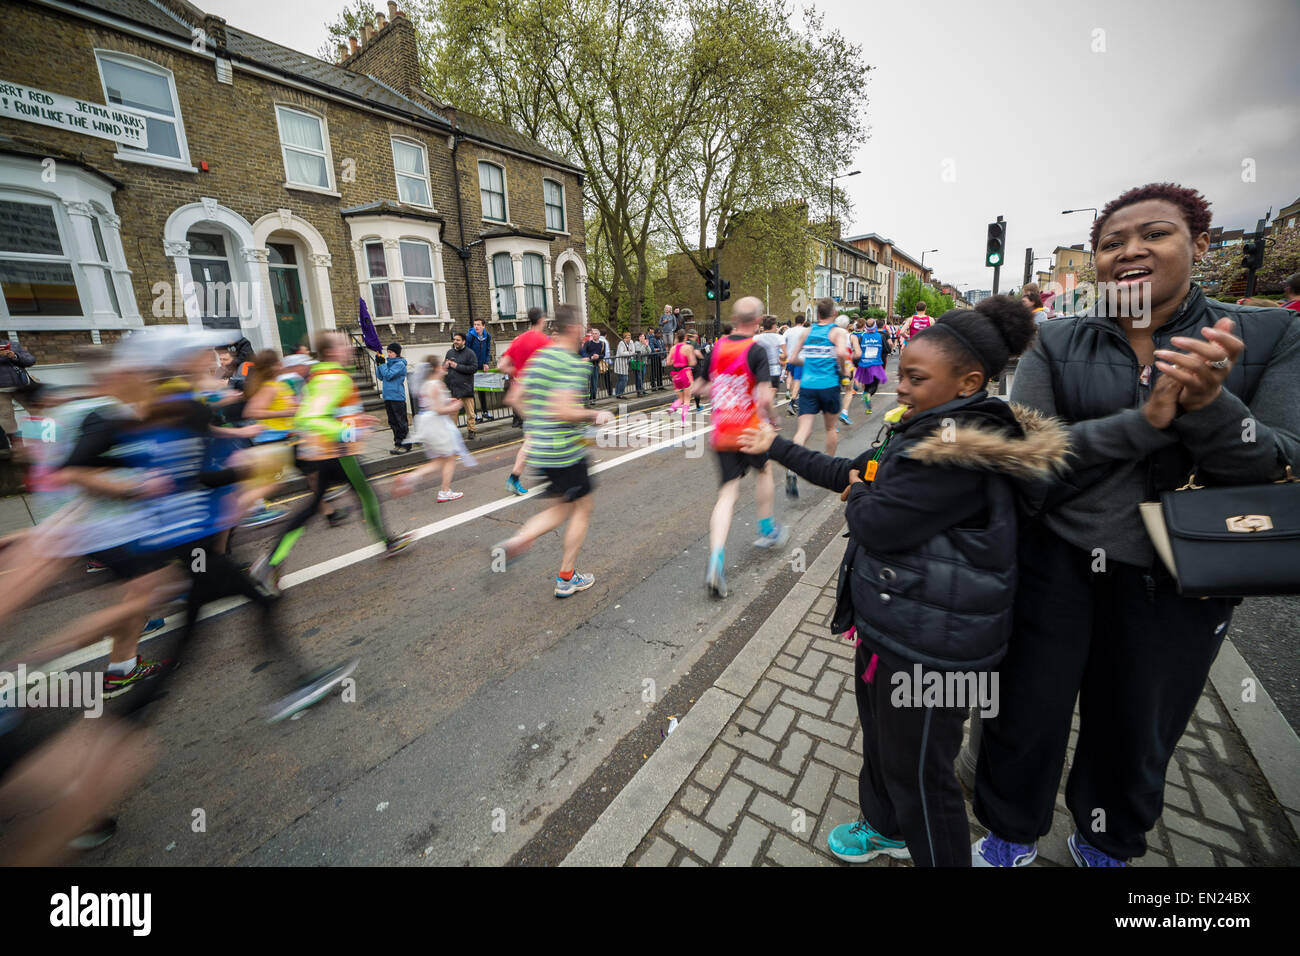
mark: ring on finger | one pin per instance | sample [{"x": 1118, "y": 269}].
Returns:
[{"x": 1220, "y": 364}]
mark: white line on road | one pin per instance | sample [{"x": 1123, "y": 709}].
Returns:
[{"x": 174, "y": 621}]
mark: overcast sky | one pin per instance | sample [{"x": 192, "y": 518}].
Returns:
[{"x": 1010, "y": 101}]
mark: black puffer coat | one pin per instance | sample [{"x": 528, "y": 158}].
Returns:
[{"x": 929, "y": 575}]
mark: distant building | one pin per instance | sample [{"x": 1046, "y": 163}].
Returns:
[{"x": 973, "y": 296}]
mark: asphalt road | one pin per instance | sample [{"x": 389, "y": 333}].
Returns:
[
  {"x": 482, "y": 701},
  {"x": 483, "y": 704}
]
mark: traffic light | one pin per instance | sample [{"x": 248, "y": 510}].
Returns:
[
  {"x": 724, "y": 290},
  {"x": 1029, "y": 265},
  {"x": 994, "y": 253},
  {"x": 1252, "y": 250},
  {"x": 710, "y": 284},
  {"x": 862, "y": 304}
]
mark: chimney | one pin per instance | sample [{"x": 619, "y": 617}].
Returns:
[
  {"x": 392, "y": 10},
  {"x": 380, "y": 23},
  {"x": 394, "y": 57},
  {"x": 215, "y": 28},
  {"x": 342, "y": 53},
  {"x": 352, "y": 46}
]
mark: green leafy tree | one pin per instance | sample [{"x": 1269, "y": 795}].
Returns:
[
  {"x": 911, "y": 290},
  {"x": 347, "y": 24}
]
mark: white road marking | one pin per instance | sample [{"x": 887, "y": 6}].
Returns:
[{"x": 94, "y": 651}]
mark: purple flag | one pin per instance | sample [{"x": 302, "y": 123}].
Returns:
[{"x": 368, "y": 334}]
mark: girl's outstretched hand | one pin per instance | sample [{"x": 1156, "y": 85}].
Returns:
[{"x": 756, "y": 441}]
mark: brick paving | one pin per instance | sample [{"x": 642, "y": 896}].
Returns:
[{"x": 783, "y": 773}]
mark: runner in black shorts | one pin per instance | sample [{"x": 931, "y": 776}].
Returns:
[{"x": 570, "y": 482}]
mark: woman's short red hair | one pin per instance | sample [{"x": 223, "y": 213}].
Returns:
[{"x": 1194, "y": 207}]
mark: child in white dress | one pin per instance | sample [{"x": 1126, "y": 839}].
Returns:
[{"x": 439, "y": 435}]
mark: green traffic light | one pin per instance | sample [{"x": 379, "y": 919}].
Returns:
[
  {"x": 709, "y": 295},
  {"x": 994, "y": 259}
]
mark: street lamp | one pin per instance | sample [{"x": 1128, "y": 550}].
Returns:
[
  {"x": 1093, "y": 209},
  {"x": 830, "y": 255}
]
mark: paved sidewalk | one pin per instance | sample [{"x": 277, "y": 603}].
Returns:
[{"x": 782, "y": 772}]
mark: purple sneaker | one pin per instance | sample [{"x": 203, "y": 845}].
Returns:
[
  {"x": 1087, "y": 855},
  {"x": 992, "y": 850}
]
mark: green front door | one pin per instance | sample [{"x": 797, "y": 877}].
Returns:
[{"x": 286, "y": 294}]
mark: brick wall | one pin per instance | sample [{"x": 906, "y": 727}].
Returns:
[{"x": 233, "y": 128}]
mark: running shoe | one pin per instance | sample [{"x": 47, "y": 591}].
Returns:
[
  {"x": 579, "y": 582},
  {"x": 793, "y": 407},
  {"x": 266, "y": 576},
  {"x": 515, "y": 485},
  {"x": 94, "y": 567},
  {"x": 338, "y": 517},
  {"x": 992, "y": 850},
  {"x": 117, "y": 684},
  {"x": 263, "y": 516},
  {"x": 859, "y": 842},
  {"x": 449, "y": 496},
  {"x": 716, "y": 579},
  {"x": 153, "y": 624},
  {"x": 397, "y": 450},
  {"x": 98, "y": 834},
  {"x": 780, "y": 534},
  {"x": 310, "y": 692},
  {"x": 398, "y": 543},
  {"x": 844, "y": 417},
  {"x": 791, "y": 485},
  {"x": 1085, "y": 854},
  {"x": 866, "y": 401}
]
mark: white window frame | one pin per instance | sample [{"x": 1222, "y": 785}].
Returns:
[
  {"x": 398, "y": 175},
  {"x": 147, "y": 158},
  {"x": 505, "y": 192},
  {"x": 429, "y": 280},
  {"x": 21, "y": 181},
  {"x": 564, "y": 209},
  {"x": 369, "y": 281},
  {"x": 68, "y": 257},
  {"x": 326, "y": 154},
  {"x": 523, "y": 276}
]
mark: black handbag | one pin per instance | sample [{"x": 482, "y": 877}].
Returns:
[{"x": 1229, "y": 542}]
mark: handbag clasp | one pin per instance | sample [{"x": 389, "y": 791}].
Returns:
[{"x": 1249, "y": 523}]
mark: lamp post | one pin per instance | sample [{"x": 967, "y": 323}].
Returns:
[
  {"x": 924, "y": 253},
  {"x": 1091, "y": 252},
  {"x": 830, "y": 253}
]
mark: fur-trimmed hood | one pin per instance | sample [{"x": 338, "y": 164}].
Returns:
[{"x": 1038, "y": 453}]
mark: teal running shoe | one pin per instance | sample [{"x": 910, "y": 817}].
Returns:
[{"x": 858, "y": 843}]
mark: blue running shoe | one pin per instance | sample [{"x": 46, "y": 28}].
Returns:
[
  {"x": 780, "y": 534},
  {"x": 859, "y": 842},
  {"x": 992, "y": 850},
  {"x": 716, "y": 578},
  {"x": 1087, "y": 855},
  {"x": 579, "y": 582},
  {"x": 515, "y": 485},
  {"x": 153, "y": 624},
  {"x": 263, "y": 516},
  {"x": 844, "y": 417}
]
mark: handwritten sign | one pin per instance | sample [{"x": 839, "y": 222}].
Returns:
[{"x": 67, "y": 112}]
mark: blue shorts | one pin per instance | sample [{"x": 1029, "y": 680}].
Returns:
[
  {"x": 796, "y": 372},
  {"x": 814, "y": 400}
]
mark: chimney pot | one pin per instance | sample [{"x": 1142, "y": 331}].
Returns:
[
  {"x": 352, "y": 45},
  {"x": 380, "y": 23},
  {"x": 365, "y": 33},
  {"x": 342, "y": 53},
  {"x": 392, "y": 9}
]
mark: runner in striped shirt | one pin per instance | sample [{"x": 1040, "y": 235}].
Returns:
[{"x": 554, "y": 418}]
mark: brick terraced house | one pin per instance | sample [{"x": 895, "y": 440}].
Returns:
[{"x": 142, "y": 140}]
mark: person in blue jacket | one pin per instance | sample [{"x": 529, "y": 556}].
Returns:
[
  {"x": 479, "y": 341},
  {"x": 392, "y": 373}
]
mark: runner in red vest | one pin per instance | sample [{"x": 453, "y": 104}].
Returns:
[{"x": 742, "y": 394}]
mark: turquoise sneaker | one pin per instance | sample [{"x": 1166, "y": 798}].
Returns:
[
  {"x": 858, "y": 843},
  {"x": 579, "y": 582}
]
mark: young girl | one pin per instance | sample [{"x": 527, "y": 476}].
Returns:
[
  {"x": 928, "y": 577},
  {"x": 439, "y": 435},
  {"x": 682, "y": 361}
]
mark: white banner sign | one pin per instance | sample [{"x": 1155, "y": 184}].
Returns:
[{"x": 67, "y": 112}]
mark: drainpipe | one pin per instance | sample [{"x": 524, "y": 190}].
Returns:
[{"x": 460, "y": 228}]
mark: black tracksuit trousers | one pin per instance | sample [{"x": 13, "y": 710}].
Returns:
[
  {"x": 1134, "y": 652},
  {"x": 908, "y": 789}
]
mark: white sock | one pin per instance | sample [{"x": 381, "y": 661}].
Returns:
[{"x": 121, "y": 668}]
